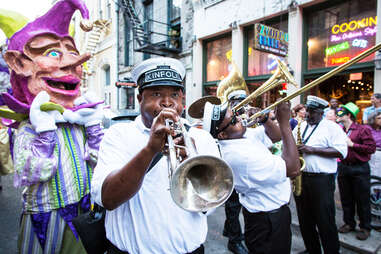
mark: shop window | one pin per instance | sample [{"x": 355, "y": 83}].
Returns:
[
  {"x": 218, "y": 57},
  {"x": 345, "y": 87},
  {"x": 262, "y": 61},
  {"x": 338, "y": 33},
  {"x": 265, "y": 99}
]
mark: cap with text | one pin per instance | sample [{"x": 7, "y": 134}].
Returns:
[
  {"x": 316, "y": 102},
  {"x": 159, "y": 71}
]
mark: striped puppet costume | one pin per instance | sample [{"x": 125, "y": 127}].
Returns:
[{"x": 55, "y": 150}]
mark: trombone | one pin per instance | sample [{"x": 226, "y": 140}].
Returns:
[
  {"x": 200, "y": 182},
  {"x": 317, "y": 81},
  {"x": 281, "y": 75}
]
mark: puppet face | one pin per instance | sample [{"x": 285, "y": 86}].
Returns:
[{"x": 55, "y": 67}]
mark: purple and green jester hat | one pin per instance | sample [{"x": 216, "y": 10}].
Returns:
[{"x": 56, "y": 22}]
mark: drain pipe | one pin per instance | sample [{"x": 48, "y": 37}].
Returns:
[{"x": 117, "y": 53}]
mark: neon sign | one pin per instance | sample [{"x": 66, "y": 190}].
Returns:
[
  {"x": 337, "y": 48},
  {"x": 340, "y": 60},
  {"x": 354, "y": 25},
  {"x": 359, "y": 43},
  {"x": 270, "y": 40}
]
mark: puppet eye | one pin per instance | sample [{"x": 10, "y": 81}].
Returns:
[
  {"x": 74, "y": 53},
  {"x": 53, "y": 53}
]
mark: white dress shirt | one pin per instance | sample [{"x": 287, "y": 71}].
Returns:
[
  {"x": 150, "y": 222},
  {"x": 327, "y": 134},
  {"x": 259, "y": 176},
  {"x": 259, "y": 134}
]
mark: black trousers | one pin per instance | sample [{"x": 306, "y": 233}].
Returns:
[
  {"x": 316, "y": 213},
  {"x": 354, "y": 186},
  {"x": 232, "y": 227},
  {"x": 268, "y": 232}
]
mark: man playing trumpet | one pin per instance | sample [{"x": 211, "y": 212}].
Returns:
[{"x": 132, "y": 182}]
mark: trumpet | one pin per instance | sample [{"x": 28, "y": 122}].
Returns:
[{"x": 200, "y": 182}]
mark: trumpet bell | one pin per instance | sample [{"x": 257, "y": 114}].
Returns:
[{"x": 201, "y": 183}]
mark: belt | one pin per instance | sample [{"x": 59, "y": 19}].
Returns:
[
  {"x": 269, "y": 212},
  {"x": 378, "y": 148},
  {"x": 316, "y": 174},
  {"x": 114, "y": 250},
  {"x": 358, "y": 163}
]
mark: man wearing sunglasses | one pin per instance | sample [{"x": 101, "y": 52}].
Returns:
[
  {"x": 354, "y": 172},
  {"x": 261, "y": 178},
  {"x": 267, "y": 132}
]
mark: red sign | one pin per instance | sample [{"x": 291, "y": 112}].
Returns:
[
  {"x": 128, "y": 84},
  {"x": 355, "y": 76}
]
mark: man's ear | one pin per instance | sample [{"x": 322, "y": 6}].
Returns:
[
  {"x": 139, "y": 97},
  {"x": 222, "y": 135},
  {"x": 18, "y": 63}
]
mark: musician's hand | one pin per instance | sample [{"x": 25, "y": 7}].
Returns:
[
  {"x": 306, "y": 149},
  {"x": 349, "y": 142},
  {"x": 252, "y": 110},
  {"x": 283, "y": 113},
  {"x": 159, "y": 130}
]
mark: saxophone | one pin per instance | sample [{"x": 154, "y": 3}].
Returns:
[{"x": 297, "y": 181}]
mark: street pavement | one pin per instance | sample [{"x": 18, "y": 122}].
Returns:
[{"x": 10, "y": 203}]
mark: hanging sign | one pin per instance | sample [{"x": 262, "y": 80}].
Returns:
[{"x": 270, "y": 40}]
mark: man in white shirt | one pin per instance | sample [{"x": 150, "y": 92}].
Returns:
[
  {"x": 141, "y": 216},
  {"x": 376, "y": 104},
  {"x": 323, "y": 142},
  {"x": 261, "y": 178},
  {"x": 267, "y": 133}
]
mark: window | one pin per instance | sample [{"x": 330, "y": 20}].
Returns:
[
  {"x": 130, "y": 92},
  {"x": 108, "y": 10},
  {"x": 260, "y": 62},
  {"x": 107, "y": 75},
  {"x": 175, "y": 11},
  {"x": 218, "y": 57},
  {"x": 337, "y": 34},
  {"x": 127, "y": 97},
  {"x": 100, "y": 12},
  {"x": 107, "y": 99},
  {"x": 148, "y": 17},
  {"x": 211, "y": 2},
  {"x": 128, "y": 43}
]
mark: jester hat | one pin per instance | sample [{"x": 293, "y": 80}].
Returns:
[{"x": 56, "y": 21}]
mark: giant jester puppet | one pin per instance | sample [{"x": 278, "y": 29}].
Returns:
[{"x": 54, "y": 150}]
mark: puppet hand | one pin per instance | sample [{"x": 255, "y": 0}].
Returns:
[
  {"x": 41, "y": 120},
  {"x": 85, "y": 116}
]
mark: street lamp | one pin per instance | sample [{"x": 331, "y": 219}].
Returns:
[{"x": 377, "y": 60}]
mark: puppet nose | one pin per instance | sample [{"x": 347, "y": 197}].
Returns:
[{"x": 73, "y": 61}]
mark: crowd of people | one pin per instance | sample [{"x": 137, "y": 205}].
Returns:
[{"x": 67, "y": 165}]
